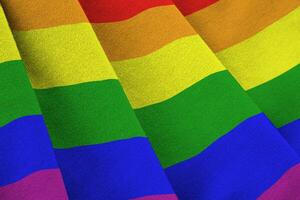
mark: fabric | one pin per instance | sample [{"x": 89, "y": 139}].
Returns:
[
  {"x": 149, "y": 100},
  {"x": 259, "y": 45}
]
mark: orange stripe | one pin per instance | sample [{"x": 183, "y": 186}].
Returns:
[
  {"x": 228, "y": 22},
  {"x": 143, "y": 33},
  {"x": 34, "y": 14}
]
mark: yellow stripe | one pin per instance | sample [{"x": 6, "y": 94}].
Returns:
[
  {"x": 267, "y": 54},
  {"x": 63, "y": 55},
  {"x": 166, "y": 72},
  {"x": 8, "y": 49}
]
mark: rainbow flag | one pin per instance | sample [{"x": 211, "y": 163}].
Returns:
[
  {"x": 259, "y": 43},
  {"x": 149, "y": 100},
  {"x": 28, "y": 166}
]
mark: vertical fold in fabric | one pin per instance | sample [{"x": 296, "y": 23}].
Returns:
[
  {"x": 28, "y": 168},
  {"x": 210, "y": 137},
  {"x": 101, "y": 149}
]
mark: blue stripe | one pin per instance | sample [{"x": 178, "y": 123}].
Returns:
[
  {"x": 291, "y": 132},
  {"x": 116, "y": 170},
  {"x": 240, "y": 165},
  {"x": 24, "y": 148}
]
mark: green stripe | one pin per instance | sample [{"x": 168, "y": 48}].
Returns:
[
  {"x": 17, "y": 99},
  {"x": 279, "y": 98},
  {"x": 88, "y": 113},
  {"x": 183, "y": 126}
]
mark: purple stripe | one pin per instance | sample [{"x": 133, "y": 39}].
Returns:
[
  {"x": 158, "y": 197},
  {"x": 286, "y": 188},
  {"x": 44, "y": 184}
]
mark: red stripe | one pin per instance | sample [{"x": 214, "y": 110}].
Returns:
[
  {"x": 286, "y": 188},
  {"x": 189, "y": 6},
  {"x": 45, "y": 184},
  {"x": 117, "y": 10},
  {"x": 158, "y": 197}
]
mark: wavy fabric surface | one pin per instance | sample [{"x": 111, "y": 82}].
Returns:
[
  {"x": 149, "y": 100},
  {"x": 262, "y": 54},
  {"x": 100, "y": 147},
  {"x": 28, "y": 168}
]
